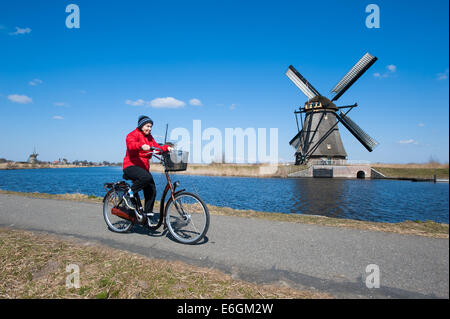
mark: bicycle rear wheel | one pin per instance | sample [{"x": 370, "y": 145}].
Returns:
[
  {"x": 187, "y": 218},
  {"x": 115, "y": 223}
]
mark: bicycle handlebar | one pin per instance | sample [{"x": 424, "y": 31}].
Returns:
[{"x": 152, "y": 150}]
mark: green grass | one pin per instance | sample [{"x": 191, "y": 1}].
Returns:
[{"x": 420, "y": 173}]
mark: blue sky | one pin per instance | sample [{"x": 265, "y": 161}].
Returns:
[{"x": 76, "y": 93}]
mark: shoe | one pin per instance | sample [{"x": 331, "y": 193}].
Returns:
[{"x": 150, "y": 214}]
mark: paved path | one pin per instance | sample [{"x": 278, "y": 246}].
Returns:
[{"x": 329, "y": 259}]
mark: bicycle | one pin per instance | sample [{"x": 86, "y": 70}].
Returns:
[{"x": 185, "y": 215}]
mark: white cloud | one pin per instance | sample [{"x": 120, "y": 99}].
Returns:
[
  {"x": 167, "y": 102},
  {"x": 60, "y": 104},
  {"x": 57, "y": 117},
  {"x": 391, "y": 69},
  {"x": 22, "y": 99},
  {"x": 160, "y": 102},
  {"x": 21, "y": 31},
  {"x": 139, "y": 102},
  {"x": 35, "y": 82},
  {"x": 443, "y": 76},
  {"x": 420, "y": 125},
  {"x": 232, "y": 106},
  {"x": 195, "y": 102},
  {"x": 410, "y": 141}
]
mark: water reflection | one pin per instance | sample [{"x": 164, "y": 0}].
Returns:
[{"x": 318, "y": 197}]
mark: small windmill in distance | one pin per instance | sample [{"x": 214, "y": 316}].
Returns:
[
  {"x": 319, "y": 136},
  {"x": 32, "y": 159}
]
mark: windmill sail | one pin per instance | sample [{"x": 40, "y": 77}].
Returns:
[
  {"x": 301, "y": 83},
  {"x": 296, "y": 140},
  {"x": 368, "y": 142},
  {"x": 355, "y": 72}
]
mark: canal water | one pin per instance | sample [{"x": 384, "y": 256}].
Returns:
[{"x": 369, "y": 200}]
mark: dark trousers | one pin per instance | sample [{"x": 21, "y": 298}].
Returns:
[{"x": 142, "y": 180}]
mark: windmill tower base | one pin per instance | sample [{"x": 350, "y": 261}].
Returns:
[{"x": 335, "y": 171}]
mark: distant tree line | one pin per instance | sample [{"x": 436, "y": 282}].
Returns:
[
  {"x": 64, "y": 161},
  {"x": 89, "y": 163}
]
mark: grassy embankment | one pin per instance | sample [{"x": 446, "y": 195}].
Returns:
[
  {"x": 33, "y": 265},
  {"x": 417, "y": 171},
  {"x": 243, "y": 170},
  {"x": 7, "y": 166}
]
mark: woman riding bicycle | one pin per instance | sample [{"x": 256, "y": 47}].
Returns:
[{"x": 136, "y": 162}]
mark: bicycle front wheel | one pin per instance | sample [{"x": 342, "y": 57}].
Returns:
[{"x": 187, "y": 218}]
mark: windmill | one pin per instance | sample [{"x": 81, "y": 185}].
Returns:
[
  {"x": 319, "y": 136},
  {"x": 32, "y": 159}
]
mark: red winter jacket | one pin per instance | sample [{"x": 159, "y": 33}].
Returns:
[{"x": 135, "y": 155}]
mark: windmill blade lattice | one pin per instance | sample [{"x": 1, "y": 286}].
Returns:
[
  {"x": 354, "y": 74},
  {"x": 301, "y": 83},
  {"x": 368, "y": 142}
]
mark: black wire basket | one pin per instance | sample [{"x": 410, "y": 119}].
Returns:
[{"x": 176, "y": 160}]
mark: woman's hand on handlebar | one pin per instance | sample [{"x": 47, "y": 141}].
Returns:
[{"x": 145, "y": 147}]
